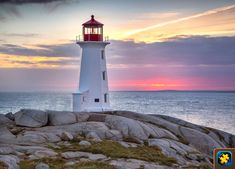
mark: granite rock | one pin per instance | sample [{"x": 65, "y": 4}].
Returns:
[{"x": 31, "y": 118}]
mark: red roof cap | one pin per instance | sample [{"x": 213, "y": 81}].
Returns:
[{"x": 92, "y": 22}]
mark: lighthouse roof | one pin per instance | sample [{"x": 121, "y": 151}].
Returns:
[{"x": 92, "y": 22}]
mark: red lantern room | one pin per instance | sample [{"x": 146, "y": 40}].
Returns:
[{"x": 92, "y": 30}]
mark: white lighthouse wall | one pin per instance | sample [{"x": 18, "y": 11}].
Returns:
[
  {"x": 77, "y": 102},
  {"x": 91, "y": 84}
]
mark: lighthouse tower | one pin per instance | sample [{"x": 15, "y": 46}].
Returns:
[{"x": 92, "y": 93}]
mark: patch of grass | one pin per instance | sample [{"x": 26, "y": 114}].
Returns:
[
  {"x": 60, "y": 164},
  {"x": 115, "y": 150},
  {"x": 53, "y": 163},
  {"x": 132, "y": 140},
  {"x": 3, "y": 166}
]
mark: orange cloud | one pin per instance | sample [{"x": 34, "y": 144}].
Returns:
[
  {"x": 42, "y": 62},
  {"x": 220, "y": 21}
]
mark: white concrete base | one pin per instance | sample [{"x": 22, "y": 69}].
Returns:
[
  {"x": 77, "y": 102},
  {"x": 80, "y": 106}
]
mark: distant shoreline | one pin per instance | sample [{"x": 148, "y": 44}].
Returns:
[{"x": 203, "y": 91}]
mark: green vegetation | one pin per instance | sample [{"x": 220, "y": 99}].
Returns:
[
  {"x": 115, "y": 150},
  {"x": 2, "y": 165},
  {"x": 60, "y": 164}
]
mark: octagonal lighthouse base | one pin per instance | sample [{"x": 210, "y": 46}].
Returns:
[{"x": 79, "y": 104}]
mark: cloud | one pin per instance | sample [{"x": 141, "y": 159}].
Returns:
[
  {"x": 219, "y": 21},
  {"x": 10, "y": 7},
  {"x": 20, "y": 34},
  {"x": 213, "y": 11},
  {"x": 183, "y": 63},
  {"x": 188, "y": 50},
  {"x": 61, "y": 50},
  {"x": 2, "y": 18},
  {"x": 179, "y": 51},
  {"x": 8, "y": 10},
  {"x": 20, "y": 2}
]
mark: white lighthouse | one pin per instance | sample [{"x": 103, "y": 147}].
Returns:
[{"x": 92, "y": 93}]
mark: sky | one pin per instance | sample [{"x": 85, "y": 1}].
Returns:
[{"x": 155, "y": 44}]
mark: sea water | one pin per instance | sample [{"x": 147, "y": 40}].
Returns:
[{"x": 212, "y": 109}]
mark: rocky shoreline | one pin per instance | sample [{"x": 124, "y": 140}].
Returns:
[{"x": 105, "y": 140}]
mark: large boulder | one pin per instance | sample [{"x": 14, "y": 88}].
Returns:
[
  {"x": 38, "y": 137},
  {"x": 10, "y": 116},
  {"x": 136, "y": 130},
  {"x": 5, "y": 150},
  {"x": 81, "y": 116},
  {"x": 201, "y": 141},
  {"x": 134, "y": 164},
  {"x": 31, "y": 118},
  {"x": 10, "y": 160},
  {"x": 177, "y": 150},
  {"x": 42, "y": 166},
  {"x": 148, "y": 118},
  {"x": 58, "y": 118},
  {"x": 6, "y": 136},
  {"x": 4, "y": 120},
  {"x": 43, "y": 154},
  {"x": 79, "y": 154}
]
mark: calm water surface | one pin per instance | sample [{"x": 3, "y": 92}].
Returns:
[{"x": 213, "y": 109}]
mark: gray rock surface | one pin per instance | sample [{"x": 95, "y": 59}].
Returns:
[
  {"x": 136, "y": 130},
  {"x": 5, "y": 150},
  {"x": 84, "y": 143},
  {"x": 11, "y": 161},
  {"x": 201, "y": 141},
  {"x": 81, "y": 116},
  {"x": 176, "y": 150},
  {"x": 42, "y": 166},
  {"x": 43, "y": 154},
  {"x": 57, "y": 118},
  {"x": 78, "y": 154},
  {"x": 10, "y": 116},
  {"x": 6, "y": 136},
  {"x": 135, "y": 164},
  {"x": 31, "y": 118},
  {"x": 188, "y": 143},
  {"x": 31, "y": 138},
  {"x": 93, "y": 136},
  {"x": 66, "y": 136},
  {"x": 4, "y": 121}
]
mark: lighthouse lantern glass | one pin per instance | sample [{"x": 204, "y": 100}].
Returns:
[{"x": 93, "y": 30}]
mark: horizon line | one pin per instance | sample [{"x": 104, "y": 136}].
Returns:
[{"x": 50, "y": 91}]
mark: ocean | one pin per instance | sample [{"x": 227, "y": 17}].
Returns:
[{"x": 212, "y": 109}]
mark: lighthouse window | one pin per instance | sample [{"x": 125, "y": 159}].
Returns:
[
  {"x": 105, "y": 97},
  {"x": 102, "y": 54},
  {"x": 97, "y": 100},
  {"x": 103, "y": 74}
]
